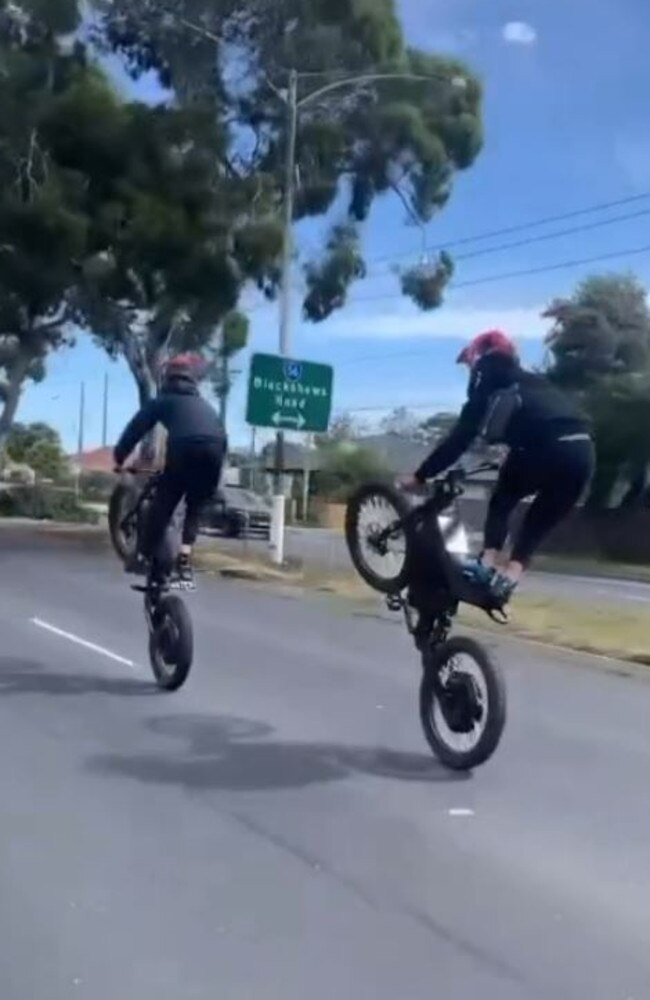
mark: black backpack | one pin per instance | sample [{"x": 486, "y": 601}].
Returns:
[{"x": 503, "y": 405}]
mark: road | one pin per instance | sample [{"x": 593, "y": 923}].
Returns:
[
  {"x": 322, "y": 547},
  {"x": 278, "y": 829}
]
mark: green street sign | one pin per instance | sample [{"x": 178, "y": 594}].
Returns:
[{"x": 289, "y": 394}]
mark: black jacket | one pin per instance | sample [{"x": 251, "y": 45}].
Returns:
[
  {"x": 545, "y": 413},
  {"x": 182, "y": 411}
]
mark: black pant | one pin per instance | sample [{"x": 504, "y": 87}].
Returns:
[
  {"x": 555, "y": 476},
  {"x": 192, "y": 472}
]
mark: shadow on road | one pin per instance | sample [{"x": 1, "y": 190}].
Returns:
[
  {"x": 19, "y": 676},
  {"x": 240, "y": 755}
]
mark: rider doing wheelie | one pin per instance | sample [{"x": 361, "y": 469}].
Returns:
[
  {"x": 551, "y": 457},
  {"x": 196, "y": 449}
]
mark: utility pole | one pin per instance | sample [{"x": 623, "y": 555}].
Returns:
[
  {"x": 306, "y": 475},
  {"x": 105, "y": 414},
  {"x": 82, "y": 417},
  {"x": 293, "y": 106},
  {"x": 279, "y": 500},
  {"x": 80, "y": 442}
]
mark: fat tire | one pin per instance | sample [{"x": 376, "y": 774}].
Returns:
[
  {"x": 385, "y": 585},
  {"x": 123, "y": 498},
  {"x": 171, "y": 606},
  {"x": 457, "y": 760}
]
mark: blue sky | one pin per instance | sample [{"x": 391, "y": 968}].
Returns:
[{"x": 566, "y": 121}]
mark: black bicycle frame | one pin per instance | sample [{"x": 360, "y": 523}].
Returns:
[
  {"x": 145, "y": 494},
  {"x": 433, "y": 571}
]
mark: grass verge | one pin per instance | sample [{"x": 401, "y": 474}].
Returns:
[
  {"x": 596, "y": 568},
  {"x": 602, "y": 629}
]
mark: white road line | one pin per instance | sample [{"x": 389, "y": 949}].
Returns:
[
  {"x": 82, "y": 642},
  {"x": 461, "y": 812}
]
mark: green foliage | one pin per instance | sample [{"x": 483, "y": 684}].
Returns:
[
  {"x": 602, "y": 330},
  {"x": 44, "y": 503},
  {"x": 231, "y": 338},
  {"x": 96, "y": 487},
  {"x": 329, "y": 280},
  {"x": 346, "y": 467},
  {"x": 360, "y": 137},
  {"x": 44, "y": 219},
  {"x": 426, "y": 282},
  {"x": 600, "y": 349},
  {"x": 39, "y": 446},
  {"x": 619, "y": 408}
]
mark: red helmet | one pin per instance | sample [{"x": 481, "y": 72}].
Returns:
[
  {"x": 184, "y": 366},
  {"x": 491, "y": 342}
]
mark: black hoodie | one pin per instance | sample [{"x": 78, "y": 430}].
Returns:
[
  {"x": 185, "y": 415},
  {"x": 545, "y": 415}
]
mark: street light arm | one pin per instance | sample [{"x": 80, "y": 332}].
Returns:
[{"x": 458, "y": 82}]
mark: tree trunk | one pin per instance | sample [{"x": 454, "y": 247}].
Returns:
[
  {"x": 17, "y": 375},
  {"x": 147, "y": 389}
]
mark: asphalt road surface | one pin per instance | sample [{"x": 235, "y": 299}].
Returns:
[{"x": 278, "y": 829}]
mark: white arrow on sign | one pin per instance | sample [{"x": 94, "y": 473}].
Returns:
[{"x": 284, "y": 418}]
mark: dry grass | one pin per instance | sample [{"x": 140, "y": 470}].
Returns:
[{"x": 604, "y": 629}]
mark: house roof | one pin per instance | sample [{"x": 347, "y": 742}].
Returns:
[{"x": 95, "y": 460}]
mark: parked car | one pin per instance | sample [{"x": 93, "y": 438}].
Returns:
[{"x": 238, "y": 513}]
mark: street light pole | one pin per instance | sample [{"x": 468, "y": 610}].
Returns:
[
  {"x": 279, "y": 499},
  {"x": 293, "y": 107}
]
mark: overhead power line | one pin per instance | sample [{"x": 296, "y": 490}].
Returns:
[
  {"x": 521, "y": 226},
  {"x": 555, "y": 235}
]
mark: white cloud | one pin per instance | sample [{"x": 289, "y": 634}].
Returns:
[
  {"x": 519, "y": 33},
  {"x": 459, "y": 322}
]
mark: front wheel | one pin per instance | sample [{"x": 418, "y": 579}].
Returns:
[
  {"x": 376, "y": 538},
  {"x": 462, "y": 703},
  {"x": 171, "y": 644}
]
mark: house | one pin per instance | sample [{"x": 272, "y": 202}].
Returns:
[{"x": 95, "y": 460}]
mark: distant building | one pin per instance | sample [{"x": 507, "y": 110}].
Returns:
[{"x": 95, "y": 460}]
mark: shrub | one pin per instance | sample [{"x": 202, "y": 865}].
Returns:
[
  {"x": 347, "y": 467},
  {"x": 97, "y": 486},
  {"x": 42, "y": 503}
]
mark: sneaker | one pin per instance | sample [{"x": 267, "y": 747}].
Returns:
[
  {"x": 477, "y": 572},
  {"x": 185, "y": 573},
  {"x": 502, "y": 587}
]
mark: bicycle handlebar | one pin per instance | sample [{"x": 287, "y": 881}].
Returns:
[
  {"x": 131, "y": 470},
  {"x": 461, "y": 475}
]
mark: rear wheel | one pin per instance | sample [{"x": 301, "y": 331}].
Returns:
[
  {"x": 462, "y": 703},
  {"x": 123, "y": 529},
  {"x": 381, "y": 561},
  {"x": 171, "y": 644}
]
